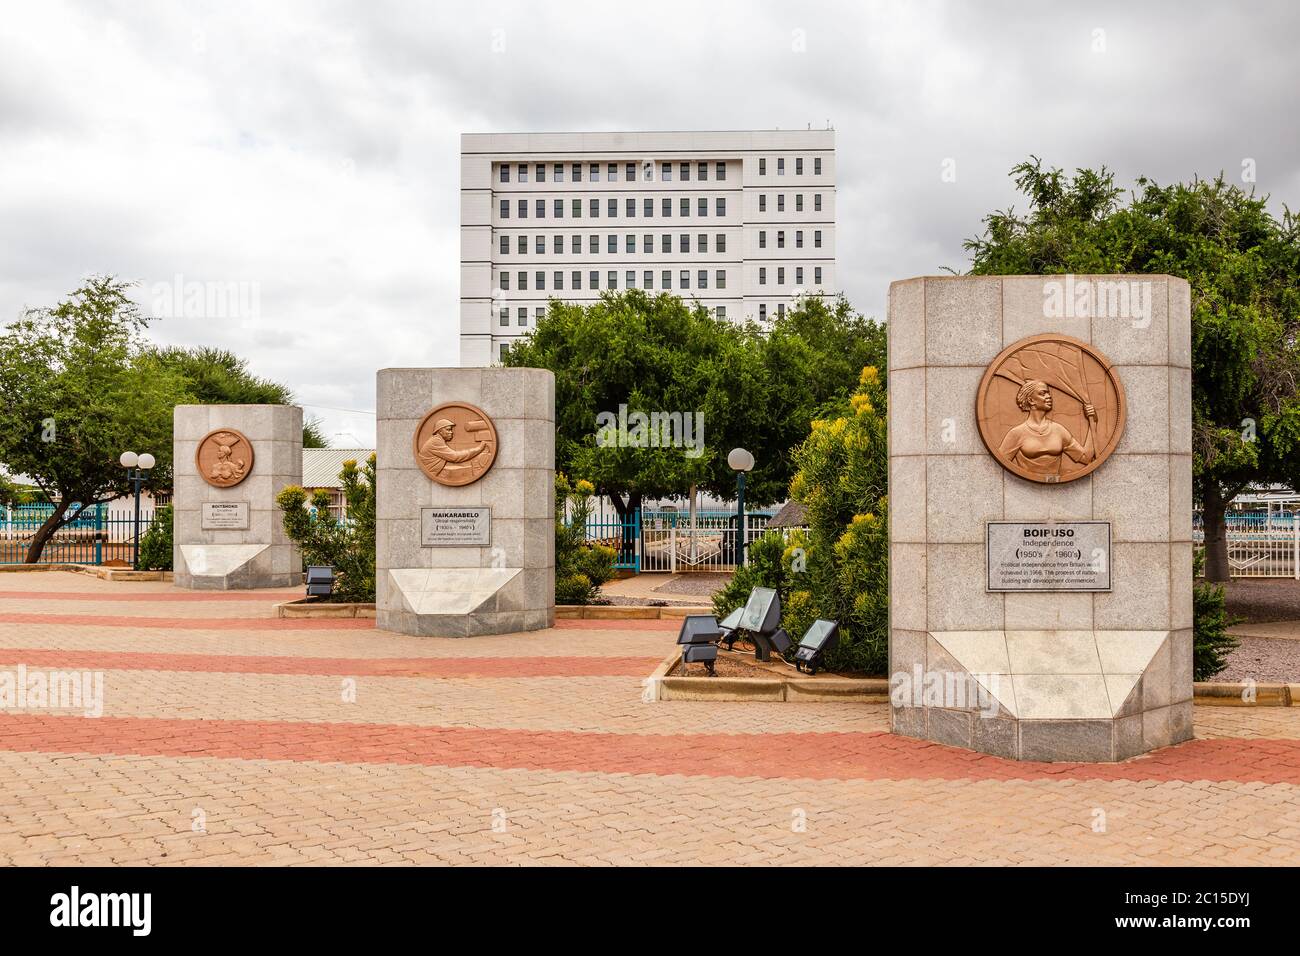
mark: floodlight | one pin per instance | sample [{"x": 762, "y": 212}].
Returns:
[
  {"x": 700, "y": 633},
  {"x": 762, "y": 613},
  {"x": 320, "y": 581},
  {"x": 821, "y": 637},
  {"x": 731, "y": 626}
]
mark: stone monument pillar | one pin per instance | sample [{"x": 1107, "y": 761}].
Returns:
[
  {"x": 465, "y": 501},
  {"x": 230, "y": 463},
  {"x": 1040, "y": 477}
]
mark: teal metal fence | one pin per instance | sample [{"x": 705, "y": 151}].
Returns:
[
  {"x": 668, "y": 541},
  {"x": 97, "y": 536}
]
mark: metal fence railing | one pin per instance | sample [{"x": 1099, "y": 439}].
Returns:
[
  {"x": 98, "y": 536},
  {"x": 667, "y": 541},
  {"x": 1260, "y": 544}
]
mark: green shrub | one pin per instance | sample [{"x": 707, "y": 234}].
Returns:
[
  {"x": 1211, "y": 642},
  {"x": 763, "y": 568},
  {"x": 347, "y": 545},
  {"x": 580, "y": 566},
  {"x": 156, "y": 542}
]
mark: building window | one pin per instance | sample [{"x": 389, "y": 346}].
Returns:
[
  {"x": 540, "y": 170},
  {"x": 798, "y": 202},
  {"x": 798, "y": 166},
  {"x": 630, "y": 208},
  {"x": 702, "y": 242},
  {"x": 577, "y": 246},
  {"x": 523, "y": 281},
  {"x": 522, "y": 175},
  {"x": 505, "y": 209},
  {"x": 762, "y": 275},
  {"x": 593, "y": 245},
  {"x": 666, "y": 172},
  {"x": 762, "y": 166},
  {"x": 557, "y": 209},
  {"x": 648, "y": 242},
  {"x": 503, "y": 282},
  {"x": 685, "y": 172},
  {"x": 665, "y": 243},
  {"x": 780, "y": 202},
  {"x": 593, "y": 279},
  {"x": 557, "y": 281},
  {"x": 629, "y": 242},
  {"x": 720, "y": 206},
  {"x": 702, "y": 279},
  {"x": 798, "y": 238},
  {"x": 685, "y": 204},
  {"x": 539, "y": 281},
  {"x": 576, "y": 276},
  {"x": 817, "y": 202},
  {"x": 521, "y": 317},
  {"x": 577, "y": 173},
  {"x": 504, "y": 318},
  {"x": 780, "y": 275},
  {"x": 684, "y": 243},
  {"x": 780, "y": 310},
  {"x": 505, "y": 245},
  {"x": 648, "y": 208},
  {"x": 523, "y": 209},
  {"x": 720, "y": 242},
  {"x": 817, "y": 238},
  {"x": 702, "y": 206},
  {"x": 629, "y": 172},
  {"x": 648, "y": 279},
  {"x": 523, "y": 245},
  {"x": 593, "y": 208},
  {"x": 762, "y": 239},
  {"x": 684, "y": 280},
  {"x": 667, "y": 207},
  {"x": 611, "y": 208},
  {"x": 611, "y": 172},
  {"x": 612, "y": 279},
  {"x": 666, "y": 279},
  {"x": 702, "y": 171},
  {"x": 593, "y": 172},
  {"x": 557, "y": 173},
  {"x": 502, "y": 349},
  {"x": 817, "y": 275},
  {"x": 798, "y": 275},
  {"x": 720, "y": 311},
  {"x": 576, "y": 208},
  {"x": 611, "y": 243},
  {"x": 539, "y": 245},
  {"x": 780, "y": 238},
  {"x": 720, "y": 278},
  {"x": 762, "y": 202},
  {"x": 629, "y": 279},
  {"x": 817, "y": 165},
  {"x": 540, "y": 210},
  {"x": 780, "y": 165},
  {"x": 538, "y": 313},
  {"x": 557, "y": 244},
  {"x": 762, "y": 312},
  {"x": 505, "y": 172},
  {"x": 720, "y": 173}
]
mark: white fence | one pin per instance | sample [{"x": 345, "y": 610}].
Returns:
[{"x": 1260, "y": 545}]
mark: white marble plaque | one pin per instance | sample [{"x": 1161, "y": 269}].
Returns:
[
  {"x": 224, "y": 516},
  {"x": 455, "y": 527},
  {"x": 1048, "y": 555}
]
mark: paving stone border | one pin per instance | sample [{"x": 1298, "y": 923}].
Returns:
[
  {"x": 104, "y": 574},
  {"x": 313, "y": 607}
]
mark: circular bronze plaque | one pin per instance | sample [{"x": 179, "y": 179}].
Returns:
[
  {"x": 456, "y": 444},
  {"x": 1050, "y": 408},
  {"x": 224, "y": 458}
]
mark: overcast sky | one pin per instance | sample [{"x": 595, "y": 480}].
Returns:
[{"x": 310, "y": 150}]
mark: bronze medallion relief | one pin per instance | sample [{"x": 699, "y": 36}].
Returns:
[
  {"x": 456, "y": 444},
  {"x": 1050, "y": 408},
  {"x": 224, "y": 457}
]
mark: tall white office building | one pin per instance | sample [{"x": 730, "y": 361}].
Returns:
[{"x": 743, "y": 222}]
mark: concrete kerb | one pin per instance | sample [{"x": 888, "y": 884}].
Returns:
[
  {"x": 314, "y": 607},
  {"x": 104, "y": 574}
]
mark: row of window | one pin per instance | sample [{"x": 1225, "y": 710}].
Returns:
[
  {"x": 647, "y": 242},
  {"x": 631, "y": 172},
  {"x": 798, "y": 166},
  {"x": 647, "y": 279},
  {"x": 629, "y": 207},
  {"x": 798, "y": 202}
]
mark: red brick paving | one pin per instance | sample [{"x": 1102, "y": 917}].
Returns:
[
  {"x": 153, "y": 596},
  {"x": 195, "y": 624}
]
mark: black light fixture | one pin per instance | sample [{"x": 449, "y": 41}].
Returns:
[
  {"x": 731, "y": 627},
  {"x": 700, "y": 634},
  {"x": 761, "y": 617},
  {"x": 821, "y": 636},
  {"x": 320, "y": 581},
  {"x": 137, "y": 472}
]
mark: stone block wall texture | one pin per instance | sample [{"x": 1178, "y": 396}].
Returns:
[
  {"x": 261, "y": 556},
  {"x": 507, "y": 586},
  {"x": 1083, "y": 676}
]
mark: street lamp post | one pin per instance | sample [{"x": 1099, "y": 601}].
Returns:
[
  {"x": 137, "y": 470},
  {"x": 741, "y": 462}
]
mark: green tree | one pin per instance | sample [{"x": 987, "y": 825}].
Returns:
[
  {"x": 1243, "y": 266},
  {"x": 346, "y": 544},
  {"x": 757, "y": 388},
  {"x": 80, "y": 387},
  {"x": 220, "y": 377},
  {"x": 156, "y": 542}
]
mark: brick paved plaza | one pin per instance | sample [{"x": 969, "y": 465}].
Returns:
[{"x": 537, "y": 748}]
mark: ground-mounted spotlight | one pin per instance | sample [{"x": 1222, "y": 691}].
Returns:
[
  {"x": 821, "y": 636},
  {"x": 730, "y": 626},
  {"x": 761, "y": 617},
  {"x": 320, "y": 581},
  {"x": 700, "y": 634}
]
